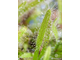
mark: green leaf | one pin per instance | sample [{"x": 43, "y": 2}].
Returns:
[
  {"x": 58, "y": 47},
  {"x": 41, "y": 33},
  {"x": 22, "y": 5},
  {"x": 46, "y": 40},
  {"x": 27, "y": 7},
  {"x": 60, "y": 11},
  {"x": 60, "y": 5},
  {"x": 47, "y": 54},
  {"x": 55, "y": 30},
  {"x": 26, "y": 55}
]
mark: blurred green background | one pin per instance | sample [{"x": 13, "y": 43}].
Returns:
[{"x": 31, "y": 14}]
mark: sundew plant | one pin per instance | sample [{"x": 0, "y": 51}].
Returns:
[{"x": 39, "y": 29}]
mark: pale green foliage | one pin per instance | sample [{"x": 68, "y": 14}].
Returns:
[
  {"x": 46, "y": 39},
  {"x": 55, "y": 30},
  {"x": 60, "y": 11},
  {"x": 47, "y": 53},
  {"x": 21, "y": 32},
  {"x": 22, "y": 5},
  {"x": 27, "y": 7},
  {"x": 60, "y": 5},
  {"x": 26, "y": 55}
]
